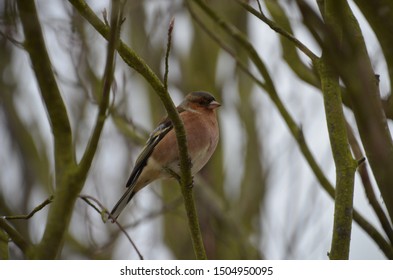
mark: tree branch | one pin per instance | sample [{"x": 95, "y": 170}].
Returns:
[
  {"x": 113, "y": 42},
  {"x": 344, "y": 163},
  {"x": 135, "y": 62},
  {"x": 69, "y": 180},
  {"x": 103, "y": 212},
  {"x": 382, "y": 24},
  {"x": 303, "y": 48},
  {"x": 15, "y": 236},
  {"x": 4, "y": 239},
  {"x": 289, "y": 47},
  {"x": 347, "y": 53},
  {"x": 185, "y": 169},
  {"x": 368, "y": 188},
  {"x": 296, "y": 131},
  {"x": 31, "y": 214},
  {"x": 57, "y": 113},
  {"x": 58, "y": 118}
]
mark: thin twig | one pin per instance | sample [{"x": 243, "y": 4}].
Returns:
[
  {"x": 368, "y": 188},
  {"x": 259, "y": 6},
  {"x": 168, "y": 50},
  {"x": 31, "y": 214},
  {"x": 105, "y": 213},
  {"x": 102, "y": 212},
  {"x": 303, "y": 48},
  {"x": 12, "y": 40},
  {"x": 186, "y": 179},
  {"x": 105, "y": 17}
]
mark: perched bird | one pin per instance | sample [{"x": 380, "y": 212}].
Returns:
[{"x": 160, "y": 153}]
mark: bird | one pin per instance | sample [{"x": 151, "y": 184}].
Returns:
[{"x": 160, "y": 157}]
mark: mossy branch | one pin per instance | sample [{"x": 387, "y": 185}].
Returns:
[
  {"x": 344, "y": 163},
  {"x": 31, "y": 214},
  {"x": 113, "y": 42},
  {"x": 35, "y": 46},
  {"x": 347, "y": 53},
  {"x": 4, "y": 239},
  {"x": 382, "y": 25},
  {"x": 289, "y": 47},
  {"x": 295, "y": 130},
  {"x": 15, "y": 236},
  {"x": 60, "y": 125},
  {"x": 368, "y": 188},
  {"x": 135, "y": 62},
  {"x": 100, "y": 209},
  {"x": 69, "y": 179}
]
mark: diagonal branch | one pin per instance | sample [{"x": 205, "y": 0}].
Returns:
[
  {"x": 15, "y": 236},
  {"x": 31, "y": 214},
  {"x": 368, "y": 188},
  {"x": 279, "y": 30},
  {"x": 103, "y": 211}
]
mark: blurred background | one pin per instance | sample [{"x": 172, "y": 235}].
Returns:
[{"x": 256, "y": 198}]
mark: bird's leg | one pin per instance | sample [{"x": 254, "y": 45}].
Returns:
[
  {"x": 191, "y": 185},
  {"x": 172, "y": 173}
]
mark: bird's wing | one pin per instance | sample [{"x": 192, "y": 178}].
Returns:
[
  {"x": 154, "y": 138},
  {"x": 118, "y": 208},
  {"x": 141, "y": 162}
]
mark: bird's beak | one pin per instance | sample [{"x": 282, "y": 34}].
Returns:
[{"x": 214, "y": 104}]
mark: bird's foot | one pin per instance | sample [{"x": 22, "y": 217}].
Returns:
[
  {"x": 191, "y": 185},
  {"x": 172, "y": 173}
]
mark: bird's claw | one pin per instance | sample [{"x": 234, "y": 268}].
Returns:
[
  {"x": 172, "y": 173},
  {"x": 191, "y": 185}
]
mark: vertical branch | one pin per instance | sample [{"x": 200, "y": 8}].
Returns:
[
  {"x": 67, "y": 190},
  {"x": 185, "y": 169},
  {"x": 168, "y": 50},
  {"x": 108, "y": 77},
  {"x": 351, "y": 61},
  {"x": 58, "y": 119},
  {"x": 345, "y": 54},
  {"x": 4, "y": 239},
  {"x": 344, "y": 163},
  {"x": 35, "y": 46}
]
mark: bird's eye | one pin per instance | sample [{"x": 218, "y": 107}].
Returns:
[{"x": 205, "y": 101}]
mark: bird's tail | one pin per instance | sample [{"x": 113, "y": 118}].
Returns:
[{"x": 121, "y": 204}]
